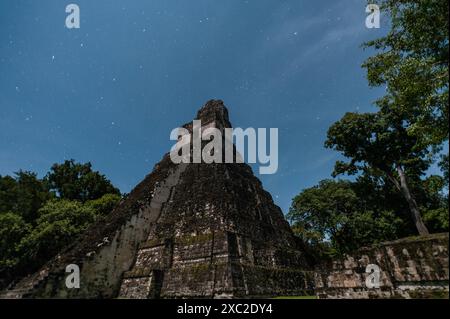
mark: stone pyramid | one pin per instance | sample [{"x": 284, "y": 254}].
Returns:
[{"x": 187, "y": 230}]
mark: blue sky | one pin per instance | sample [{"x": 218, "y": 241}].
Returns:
[{"x": 111, "y": 91}]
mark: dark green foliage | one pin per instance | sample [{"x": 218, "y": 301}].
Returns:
[
  {"x": 36, "y": 223},
  {"x": 412, "y": 62},
  {"x": 12, "y": 229},
  {"x": 389, "y": 151},
  {"x": 339, "y": 216},
  {"x": 59, "y": 223},
  {"x": 379, "y": 143},
  {"x": 103, "y": 205},
  {"x": 23, "y": 194},
  {"x": 334, "y": 218},
  {"x": 75, "y": 181},
  {"x": 8, "y": 193}
]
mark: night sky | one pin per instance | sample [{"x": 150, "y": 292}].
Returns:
[{"x": 111, "y": 91}]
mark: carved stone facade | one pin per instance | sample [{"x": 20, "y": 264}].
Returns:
[
  {"x": 187, "y": 230},
  {"x": 212, "y": 231},
  {"x": 409, "y": 268}
]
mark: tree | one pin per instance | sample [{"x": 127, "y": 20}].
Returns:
[
  {"x": 104, "y": 205},
  {"x": 58, "y": 225},
  {"x": 8, "y": 193},
  {"x": 24, "y": 248},
  {"x": 35, "y": 224},
  {"x": 412, "y": 122},
  {"x": 391, "y": 150},
  {"x": 12, "y": 229},
  {"x": 23, "y": 194},
  {"x": 380, "y": 142},
  {"x": 412, "y": 62},
  {"x": 74, "y": 181},
  {"x": 436, "y": 206},
  {"x": 333, "y": 217}
]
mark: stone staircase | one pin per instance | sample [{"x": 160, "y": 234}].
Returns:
[{"x": 23, "y": 288}]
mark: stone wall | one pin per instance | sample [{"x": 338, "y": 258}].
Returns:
[
  {"x": 409, "y": 268},
  {"x": 215, "y": 265}
]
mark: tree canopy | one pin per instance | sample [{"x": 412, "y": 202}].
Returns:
[
  {"x": 380, "y": 142},
  {"x": 412, "y": 63},
  {"x": 74, "y": 181},
  {"x": 39, "y": 217},
  {"x": 389, "y": 151},
  {"x": 23, "y": 194}
]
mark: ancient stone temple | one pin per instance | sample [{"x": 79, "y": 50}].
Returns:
[{"x": 187, "y": 230}]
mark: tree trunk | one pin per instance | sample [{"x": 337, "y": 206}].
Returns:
[{"x": 413, "y": 207}]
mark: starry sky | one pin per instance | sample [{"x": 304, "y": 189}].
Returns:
[{"x": 111, "y": 91}]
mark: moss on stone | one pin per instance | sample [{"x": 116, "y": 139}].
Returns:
[{"x": 191, "y": 240}]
